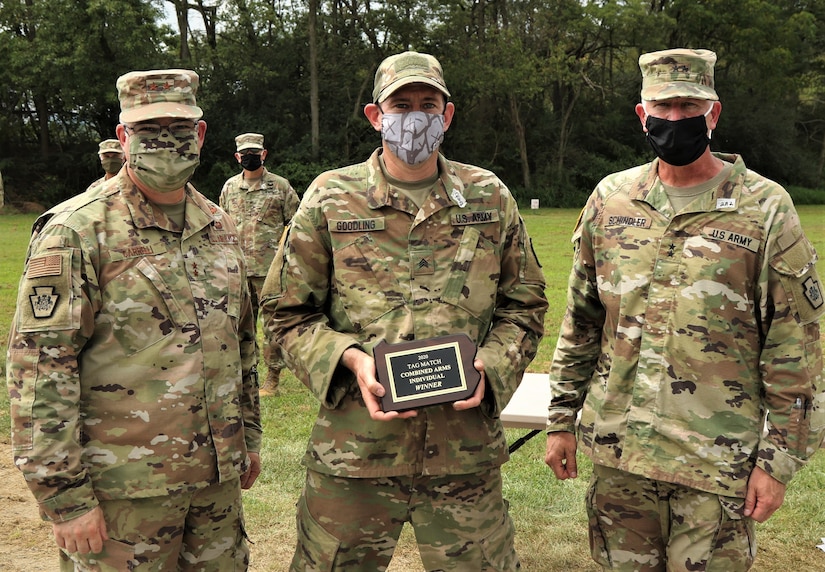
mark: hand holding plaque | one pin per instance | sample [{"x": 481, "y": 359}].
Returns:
[{"x": 426, "y": 372}]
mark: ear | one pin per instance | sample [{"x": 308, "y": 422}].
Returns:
[
  {"x": 263, "y": 155},
  {"x": 642, "y": 115},
  {"x": 201, "y": 133},
  {"x": 373, "y": 114},
  {"x": 713, "y": 116},
  {"x": 120, "y": 131},
  {"x": 238, "y": 157},
  {"x": 449, "y": 112}
]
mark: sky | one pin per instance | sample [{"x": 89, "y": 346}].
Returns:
[{"x": 195, "y": 19}]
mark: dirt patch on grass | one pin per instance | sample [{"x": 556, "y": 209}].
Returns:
[{"x": 27, "y": 545}]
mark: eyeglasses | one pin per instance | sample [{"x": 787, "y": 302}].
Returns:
[
  {"x": 249, "y": 152},
  {"x": 177, "y": 129}
]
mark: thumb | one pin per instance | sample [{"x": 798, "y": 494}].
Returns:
[{"x": 750, "y": 501}]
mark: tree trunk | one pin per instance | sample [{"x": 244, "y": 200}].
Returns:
[
  {"x": 522, "y": 142},
  {"x": 182, "y": 14},
  {"x": 315, "y": 137}
]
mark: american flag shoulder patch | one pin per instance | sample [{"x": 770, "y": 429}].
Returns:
[{"x": 45, "y": 265}]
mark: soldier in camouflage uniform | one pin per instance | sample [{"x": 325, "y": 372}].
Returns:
[
  {"x": 692, "y": 322},
  {"x": 131, "y": 360},
  {"x": 111, "y": 159},
  {"x": 261, "y": 204},
  {"x": 405, "y": 246}
]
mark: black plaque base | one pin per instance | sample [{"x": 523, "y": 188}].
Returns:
[{"x": 426, "y": 372}]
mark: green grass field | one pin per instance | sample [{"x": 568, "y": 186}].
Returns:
[{"x": 549, "y": 515}]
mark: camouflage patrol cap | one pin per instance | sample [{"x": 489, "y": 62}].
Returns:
[
  {"x": 152, "y": 94},
  {"x": 678, "y": 73},
  {"x": 249, "y": 141},
  {"x": 406, "y": 68},
  {"x": 109, "y": 146}
]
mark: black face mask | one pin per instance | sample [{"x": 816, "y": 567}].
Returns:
[
  {"x": 251, "y": 162},
  {"x": 678, "y": 143}
]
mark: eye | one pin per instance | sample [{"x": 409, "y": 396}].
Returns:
[
  {"x": 181, "y": 128},
  {"x": 146, "y": 129}
]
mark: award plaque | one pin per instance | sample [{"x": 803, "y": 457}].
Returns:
[{"x": 426, "y": 372}]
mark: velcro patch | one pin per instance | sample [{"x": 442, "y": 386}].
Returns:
[
  {"x": 422, "y": 261},
  {"x": 474, "y": 217},
  {"x": 43, "y": 301},
  {"x": 356, "y": 225},
  {"x": 813, "y": 291},
  {"x": 45, "y": 297},
  {"x": 634, "y": 221},
  {"x": 732, "y": 237},
  {"x": 46, "y": 265}
]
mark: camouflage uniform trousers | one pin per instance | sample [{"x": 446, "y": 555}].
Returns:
[
  {"x": 642, "y": 525},
  {"x": 271, "y": 352},
  {"x": 201, "y": 531},
  {"x": 461, "y": 523}
]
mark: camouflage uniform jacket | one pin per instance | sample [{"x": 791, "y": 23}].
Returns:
[
  {"x": 683, "y": 330},
  {"x": 360, "y": 263},
  {"x": 131, "y": 357},
  {"x": 260, "y": 212}
]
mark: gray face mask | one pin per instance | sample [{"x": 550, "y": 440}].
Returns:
[{"x": 413, "y": 136}]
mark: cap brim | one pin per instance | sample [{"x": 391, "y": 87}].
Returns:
[
  {"x": 401, "y": 82},
  {"x": 246, "y": 146},
  {"x": 160, "y": 109},
  {"x": 673, "y": 89}
]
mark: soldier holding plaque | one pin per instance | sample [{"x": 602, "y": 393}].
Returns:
[{"x": 407, "y": 297}]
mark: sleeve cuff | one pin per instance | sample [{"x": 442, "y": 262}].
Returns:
[
  {"x": 68, "y": 505},
  {"x": 778, "y": 464}
]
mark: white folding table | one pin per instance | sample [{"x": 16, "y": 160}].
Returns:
[{"x": 528, "y": 407}]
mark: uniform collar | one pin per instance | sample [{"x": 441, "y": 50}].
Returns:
[
  {"x": 648, "y": 188},
  {"x": 380, "y": 193},
  {"x": 144, "y": 214}
]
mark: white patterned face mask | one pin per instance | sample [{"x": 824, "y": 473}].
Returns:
[{"x": 413, "y": 136}]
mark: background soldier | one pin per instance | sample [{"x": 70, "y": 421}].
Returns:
[
  {"x": 405, "y": 246},
  {"x": 693, "y": 310},
  {"x": 261, "y": 204},
  {"x": 131, "y": 361},
  {"x": 111, "y": 159}
]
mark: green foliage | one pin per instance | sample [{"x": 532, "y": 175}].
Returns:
[
  {"x": 804, "y": 196},
  {"x": 544, "y": 89}
]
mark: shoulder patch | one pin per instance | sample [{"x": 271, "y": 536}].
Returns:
[
  {"x": 46, "y": 265},
  {"x": 43, "y": 301},
  {"x": 813, "y": 292},
  {"x": 45, "y": 297}
]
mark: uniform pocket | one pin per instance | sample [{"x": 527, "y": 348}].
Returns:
[
  {"x": 796, "y": 267},
  {"x": 474, "y": 275},
  {"x": 365, "y": 282},
  {"x": 598, "y": 541},
  {"x": 499, "y": 549},
  {"x": 316, "y": 548},
  {"x": 734, "y": 544},
  {"x": 114, "y": 556},
  {"x": 22, "y": 383},
  {"x": 142, "y": 309}
]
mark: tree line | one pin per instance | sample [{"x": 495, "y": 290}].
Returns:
[{"x": 544, "y": 89}]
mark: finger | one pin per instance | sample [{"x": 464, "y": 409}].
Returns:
[
  {"x": 475, "y": 399},
  {"x": 376, "y": 388},
  {"x": 96, "y": 543},
  {"x": 559, "y": 468},
  {"x": 750, "y": 501}
]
